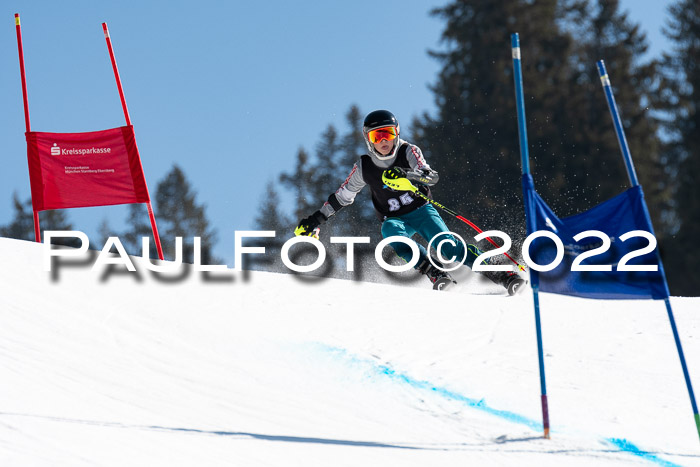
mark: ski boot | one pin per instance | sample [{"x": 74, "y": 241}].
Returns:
[
  {"x": 441, "y": 279},
  {"x": 514, "y": 284},
  {"x": 511, "y": 281}
]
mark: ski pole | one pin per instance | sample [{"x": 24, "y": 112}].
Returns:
[{"x": 405, "y": 184}]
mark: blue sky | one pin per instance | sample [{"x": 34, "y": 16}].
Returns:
[{"x": 228, "y": 90}]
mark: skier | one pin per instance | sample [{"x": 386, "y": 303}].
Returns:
[{"x": 403, "y": 213}]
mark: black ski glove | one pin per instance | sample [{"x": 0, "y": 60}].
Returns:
[{"x": 309, "y": 224}]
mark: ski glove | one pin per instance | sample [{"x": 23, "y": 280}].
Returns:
[
  {"x": 427, "y": 177},
  {"x": 394, "y": 173},
  {"x": 308, "y": 225},
  {"x": 395, "y": 178}
]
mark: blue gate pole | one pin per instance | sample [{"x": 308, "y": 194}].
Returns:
[
  {"x": 525, "y": 159},
  {"x": 622, "y": 140},
  {"x": 619, "y": 130}
]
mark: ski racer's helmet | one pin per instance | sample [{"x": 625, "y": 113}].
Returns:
[{"x": 378, "y": 125}]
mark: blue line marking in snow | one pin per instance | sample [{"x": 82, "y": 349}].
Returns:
[
  {"x": 625, "y": 446},
  {"x": 480, "y": 404}
]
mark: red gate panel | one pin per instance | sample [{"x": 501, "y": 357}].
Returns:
[{"x": 74, "y": 170}]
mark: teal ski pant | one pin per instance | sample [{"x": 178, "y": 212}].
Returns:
[{"x": 426, "y": 222}]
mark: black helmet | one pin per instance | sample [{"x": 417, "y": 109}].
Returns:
[{"x": 379, "y": 119}]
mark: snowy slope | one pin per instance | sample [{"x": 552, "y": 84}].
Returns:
[{"x": 268, "y": 369}]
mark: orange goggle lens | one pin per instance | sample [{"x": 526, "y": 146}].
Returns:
[{"x": 388, "y": 133}]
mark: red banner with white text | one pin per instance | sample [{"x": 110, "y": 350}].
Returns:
[{"x": 74, "y": 170}]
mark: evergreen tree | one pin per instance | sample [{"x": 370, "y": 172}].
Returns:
[
  {"x": 271, "y": 217},
  {"x": 473, "y": 139},
  {"x": 326, "y": 167},
  {"x": 300, "y": 182},
  {"x": 680, "y": 98},
  {"x": 574, "y": 155},
  {"x": 105, "y": 231},
  {"x": 139, "y": 226},
  {"x": 179, "y": 215},
  {"x": 361, "y": 217},
  {"x": 22, "y": 225},
  {"x": 620, "y": 43},
  {"x": 352, "y": 143},
  {"x": 313, "y": 180}
]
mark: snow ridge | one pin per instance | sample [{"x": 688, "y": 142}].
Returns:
[{"x": 269, "y": 369}]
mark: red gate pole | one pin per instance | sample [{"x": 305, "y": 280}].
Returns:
[
  {"x": 21, "y": 70},
  {"x": 20, "y": 49},
  {"x": 116, "y": 73},
  {"x": 151, "y": 216}
]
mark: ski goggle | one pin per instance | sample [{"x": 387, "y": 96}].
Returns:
[{"x": 388, "y": 133}]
